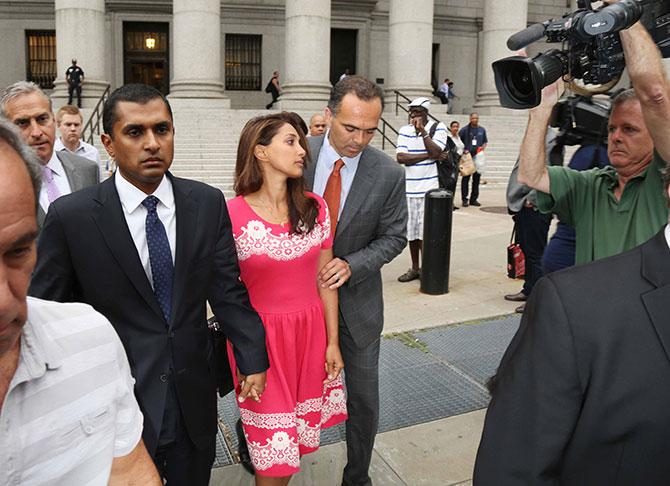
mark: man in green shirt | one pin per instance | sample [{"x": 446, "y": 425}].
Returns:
[{"x": 619, "y": 207}]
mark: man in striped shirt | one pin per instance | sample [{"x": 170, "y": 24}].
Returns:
[
  {"x": 419, "y": 145},
  {"x": 68, "y": 415}
]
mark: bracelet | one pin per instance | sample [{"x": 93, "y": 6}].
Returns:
[{"x": 426, "y": 135}]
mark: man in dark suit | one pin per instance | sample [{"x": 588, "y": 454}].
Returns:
[
  {"x": 147, "y": 250},
  {"x": 582, "y": 393},
  {"x": 365, "y": 192},
  {"x": 25, "y": 105}
]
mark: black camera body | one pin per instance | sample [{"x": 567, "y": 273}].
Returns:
[
  {"x": 581, "y": 120},
  {"x": 591, "y": 49}
]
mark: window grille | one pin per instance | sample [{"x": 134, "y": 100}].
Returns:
[
  {"x": 243, "y": 62},
  {"x": 41, "y": 57}
]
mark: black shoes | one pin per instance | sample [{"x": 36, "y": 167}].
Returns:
[
  {"x": 520, "y": 309},
  {"x": 518, "y": 297},
  {"x": 465, "y": 203},
  {"x": 475, "y": 203},
  {"x": 242, "y": 449}
]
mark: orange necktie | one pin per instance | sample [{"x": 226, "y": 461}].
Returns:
[{"x": 332, "y": 194}]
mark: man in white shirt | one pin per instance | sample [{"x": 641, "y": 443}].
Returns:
[
  {"x": 71, "y": 125},
  {"x": 68, "y": 414},
  {"x": 420, "y": 143},
  {"x": 25, "y": 105}
]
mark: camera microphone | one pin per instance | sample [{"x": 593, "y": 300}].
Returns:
[{"x": 527, "y": 36}]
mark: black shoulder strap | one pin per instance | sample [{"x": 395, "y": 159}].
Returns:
[{"x": 433, "y": 128}]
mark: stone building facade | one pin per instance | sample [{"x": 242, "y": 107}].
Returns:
[{"x": 224, "y": 51}]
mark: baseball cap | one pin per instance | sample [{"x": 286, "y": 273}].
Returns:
[{"x": 420, "y": 102}]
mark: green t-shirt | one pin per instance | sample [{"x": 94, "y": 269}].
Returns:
[{"x": 604, "y": 226}]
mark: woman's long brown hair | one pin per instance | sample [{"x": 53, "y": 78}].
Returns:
[{"x": 302, "y": 210}]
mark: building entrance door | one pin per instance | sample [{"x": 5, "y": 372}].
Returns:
[
  {"x": 343, "y": 45},
  {"x": 145, "y": 54}
]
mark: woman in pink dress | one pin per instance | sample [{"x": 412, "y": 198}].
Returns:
[{"x": 282, "y": 236}]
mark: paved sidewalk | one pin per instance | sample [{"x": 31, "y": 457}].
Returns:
[{"x": 440, "y": 451}]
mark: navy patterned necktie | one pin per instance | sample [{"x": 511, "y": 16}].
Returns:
[{"x": 160, "y": 256}]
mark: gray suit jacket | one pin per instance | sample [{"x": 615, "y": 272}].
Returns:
[
  {"x": 80, "y": 173},
  {"x": 371, "y": 232}
]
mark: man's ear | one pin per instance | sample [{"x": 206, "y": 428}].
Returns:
[
  {"x": 328, "y": 115},
  {"x": 108, "y": 143}
]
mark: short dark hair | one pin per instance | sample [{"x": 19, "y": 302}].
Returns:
[
  {"x": 363, "y": 88},
  {"x": 10, "y": 135},
  {"x": 452, "y": 123},
  {"x": 132, "y": 93}
]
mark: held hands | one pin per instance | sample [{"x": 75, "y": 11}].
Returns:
[
  {"x": 334, "y": 274},
  {"x": 334, "y": 362},
  {"x": 251, "y": 386}
]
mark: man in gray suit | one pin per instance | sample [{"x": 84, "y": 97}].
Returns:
[
  {"x": 26, "y": 106},
  {"x": 365, "y": 191}
]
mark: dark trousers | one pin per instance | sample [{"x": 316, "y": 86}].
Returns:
[
  {"x": 70, "y": 91},
  {"x": 465, "y": 182},
  {"x": 532, "y": 228},
  {"x": 182, "y": 464},
  {"x": 275, "y": 97},
  {"x": 362, "y": 383}
]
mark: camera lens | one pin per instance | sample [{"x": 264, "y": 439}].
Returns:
[{"x": 520, "y": 80}]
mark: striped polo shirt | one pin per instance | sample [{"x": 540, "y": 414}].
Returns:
[
  {"x": 70, "y": 407},
  {"x": 420, "y": 177}
]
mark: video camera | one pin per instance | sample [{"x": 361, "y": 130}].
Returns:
[
  {"x": 581, "y": 120},
  {"x": 591, "y": 50}
]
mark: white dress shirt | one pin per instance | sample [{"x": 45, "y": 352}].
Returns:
[
  {"x": 60, "y": 178},
  {"x": 84, "y": 149},
  {"x": 136, "y": 214},
  {"x": 667, "y": 234},
  {"x": 324, "y": 166}
]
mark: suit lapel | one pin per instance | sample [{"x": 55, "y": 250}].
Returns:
[
  {"x": 315, "y": 148},
  {"x": 656, "y": 269},
  {"x": 73, "y": 175},
  {"x": 359, "y": 192},
  {"x": 187, "y": 224},
  {"x": 108, "y": 216}
]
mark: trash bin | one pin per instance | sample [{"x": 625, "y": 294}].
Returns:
[{"x": 436, "y": 241}]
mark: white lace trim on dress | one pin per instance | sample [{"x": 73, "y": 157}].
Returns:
[{"x": 258, "y": 239}]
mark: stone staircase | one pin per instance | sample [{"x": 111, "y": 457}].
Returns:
[{"x": 206, "y": 142}]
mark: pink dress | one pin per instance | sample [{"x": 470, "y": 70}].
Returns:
[{"x": 280, "y": 272}]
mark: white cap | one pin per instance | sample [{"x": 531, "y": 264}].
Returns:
[{"x": 421, "y": 102}]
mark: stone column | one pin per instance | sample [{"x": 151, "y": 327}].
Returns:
[
  {"x": 305, "y": 80},
  {"x": 196, "y": 37},
  {"x": 410, "y": 47},
  {"x": 80, "y": 34},
  {"x": 501, "y": 20}
]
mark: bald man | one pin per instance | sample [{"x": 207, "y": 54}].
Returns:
[{"x": 317, "y": 125}]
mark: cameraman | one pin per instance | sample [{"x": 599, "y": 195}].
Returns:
[{"x": 619, "y": 207}]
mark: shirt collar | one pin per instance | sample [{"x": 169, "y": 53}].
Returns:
[
  {"x": 55, "y": 165},
  {"x": 39, "y": 352},
  {"x": 131, "y": 197},
  {"x": 667, "y": 234},
  {"x": 331, "y": 155}
]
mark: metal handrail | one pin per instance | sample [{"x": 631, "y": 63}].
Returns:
[
  {"x": 386, "y": 138},
  {"x": 93, "y": 123}
]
